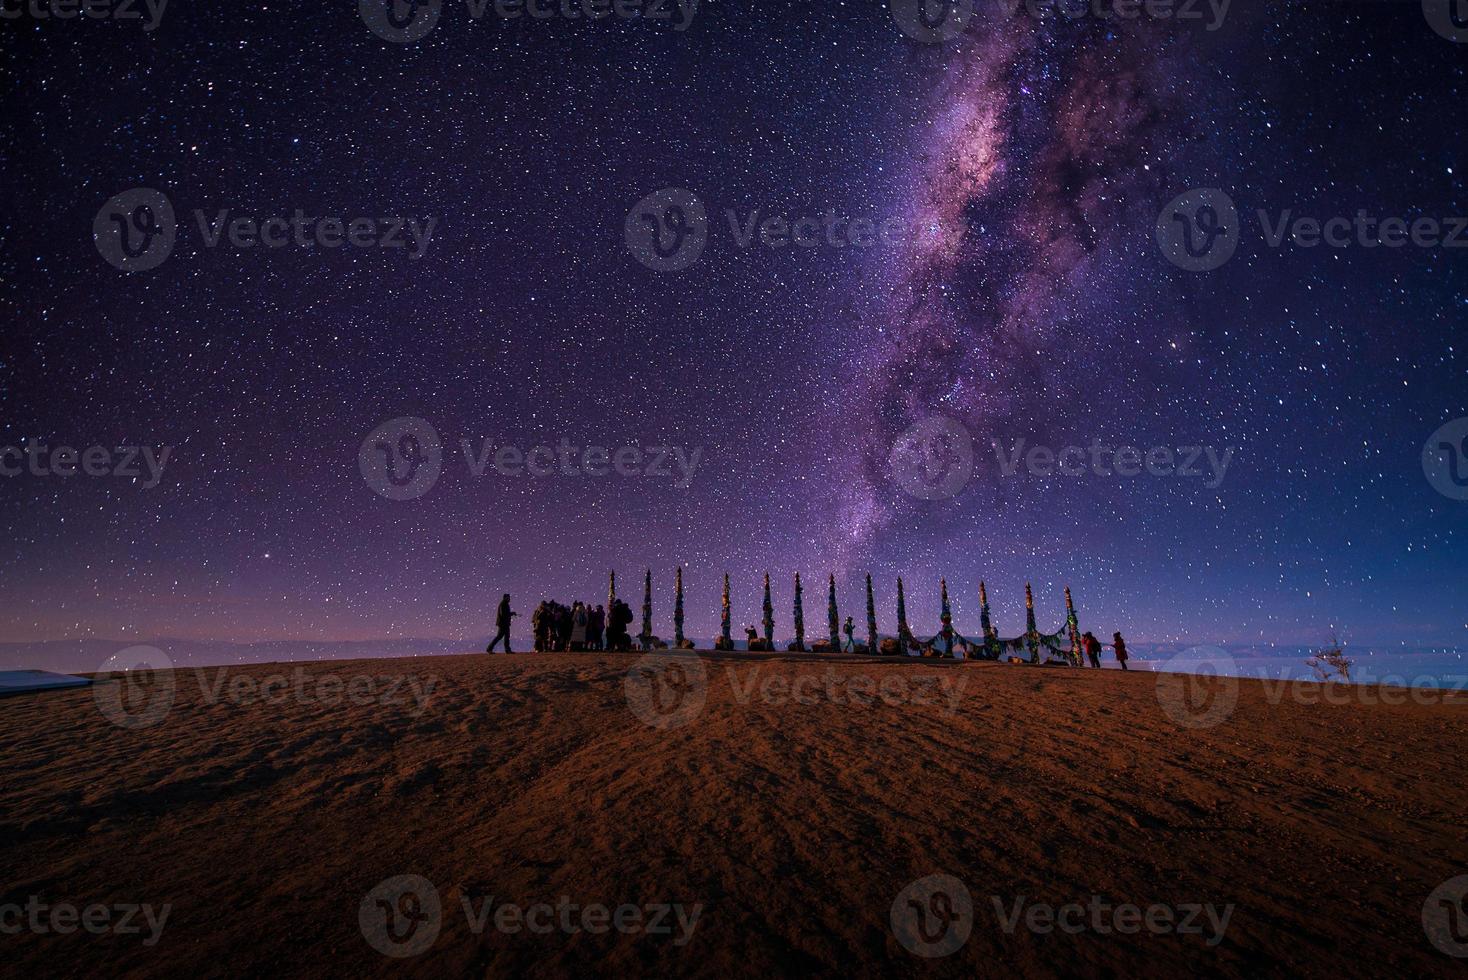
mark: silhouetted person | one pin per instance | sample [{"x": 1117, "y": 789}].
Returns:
[
  {"x": 1092, "y": 646},
  {"x": 1120, "y": 645},
  {"x": 619, "y": 617},
  {"x": 545, "y": 619},
  {"x": 502, "y": 623},
  {"x": 596, "y": 627},
  {"x": 580, "y": 621},
  {"x": 563, "y": 628}
]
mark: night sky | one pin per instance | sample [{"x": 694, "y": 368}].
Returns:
[{"x": 1032, "y": 160}]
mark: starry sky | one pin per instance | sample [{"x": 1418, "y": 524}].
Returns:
[{"x": 1042, "y": 310}]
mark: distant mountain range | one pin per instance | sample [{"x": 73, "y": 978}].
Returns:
[{"x": 87, "y": 656}]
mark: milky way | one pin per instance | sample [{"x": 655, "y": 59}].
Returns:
[{"x": 1040, "y": 146}]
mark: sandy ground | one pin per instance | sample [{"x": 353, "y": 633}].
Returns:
[{"x": 788, "y": 820}]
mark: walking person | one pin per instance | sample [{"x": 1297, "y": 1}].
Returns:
[
  {"x": 1092, "y": 647},
  {"x": 502, "y": 619},
  {"x": 1119, "y": 645}
]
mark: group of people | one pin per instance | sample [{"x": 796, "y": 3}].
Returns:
[
  {"x": 1093, "y": 648},
  {"x": 580, "y": 627},
  {"x": 576, "y": 627}
]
